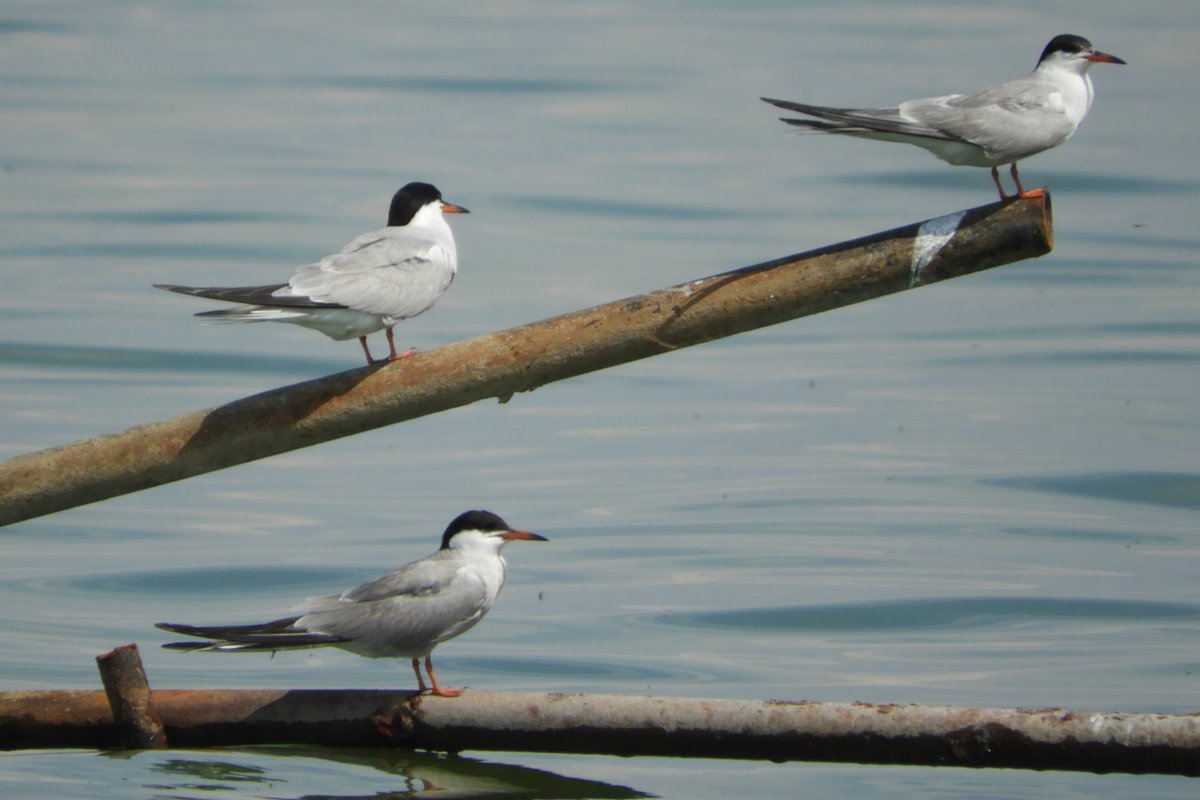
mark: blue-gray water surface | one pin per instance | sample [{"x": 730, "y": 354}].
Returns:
[{"x": 982, "y": 492}]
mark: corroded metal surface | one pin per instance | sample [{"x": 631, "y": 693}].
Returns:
[
  {"x": 137, "y": 723},
  {"x": 1049, "y": 738}
]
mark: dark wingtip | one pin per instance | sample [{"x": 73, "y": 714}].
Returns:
[{"x": 187, "y": 645}]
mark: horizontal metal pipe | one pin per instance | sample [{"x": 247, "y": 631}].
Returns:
[
  {"x": 629, "y": 726},
  {"x": 523, "y": 358}
]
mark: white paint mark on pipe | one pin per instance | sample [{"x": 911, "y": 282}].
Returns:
[{"x": 932, "y": 236}]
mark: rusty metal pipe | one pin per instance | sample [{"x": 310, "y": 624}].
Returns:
[
  {"x": 523, "y": 358},
  {"x": 630, "y": 726},
  {"x": 137, "y": 723}
]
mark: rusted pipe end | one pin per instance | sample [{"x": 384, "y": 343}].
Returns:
[{"x": 138, "y": 725}]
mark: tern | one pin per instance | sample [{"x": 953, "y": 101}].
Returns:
[
  {"x": 987, "y": 128},
  {"x": 404, "y": 614},
  {"x": 376, "y": 280}
]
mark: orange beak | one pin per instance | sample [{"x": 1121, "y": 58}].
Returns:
[
  {"x": 1104, "y": 57},
  {"x": 450, "y": 208},
  {"x": 523, "y": 535}
]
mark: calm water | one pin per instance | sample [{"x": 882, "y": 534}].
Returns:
[{"x": 982, "y": 492}]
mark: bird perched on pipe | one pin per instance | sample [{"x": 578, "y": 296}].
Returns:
[
  {"x": 376, "y": 280},
  {"x": 404, "y": 614},
  {"x": 987, "y": 128}
]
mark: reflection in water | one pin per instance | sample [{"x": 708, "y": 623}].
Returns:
[
  {"x": 210, "y": 775},
  {"x": 322, "y": 771}
]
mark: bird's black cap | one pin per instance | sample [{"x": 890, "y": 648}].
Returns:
[
  {"x": 1066, "y": 43},
  {"x": 477, "y": 520},
  {"x": 411, "y": 198}
]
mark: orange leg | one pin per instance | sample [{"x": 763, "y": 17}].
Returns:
[
  {"x": 421, "y": 687},
  {"x": 392, "y": 347},
  {"x": 1021, "y": 192},
  {"x": 363, "y": 341},
  {"x": 438, "y": 689},
  {"x": 1021, "y": 189},
  {"x": 996, "y": 178}
]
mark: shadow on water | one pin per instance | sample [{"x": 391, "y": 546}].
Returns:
[{"x": 324, "y": 771}]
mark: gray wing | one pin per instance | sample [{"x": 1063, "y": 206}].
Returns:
[
  {"x": 1019, "y": 117},
  {"x": 403, "y": 613},
  {"x": 423, "y": 578},
  {"x": 394, "y": 274},
  {"x": 862, "y": 121}
]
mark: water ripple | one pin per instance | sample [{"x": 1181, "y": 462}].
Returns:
[
  {"x": 927, "y": 614},
  {"x": 15, "y": 26},
  {"x": 208, "y": 580},
  {"x": 625, "y": 209},
  {"x": 199, "y": 251},
  {"x": 175, "y": 216},
  {"x": 153, "y": 362},
  {"x": 464, "y": 84},
  {"x": 1067, "y": 181},
  {"x": 571, "y": 669},
  {"x": 1170, "y": 489},
  {"x": 1080, "y": 358}
]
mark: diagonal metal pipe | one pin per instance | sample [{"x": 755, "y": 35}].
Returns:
[{"x": 523, "y": 358}]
